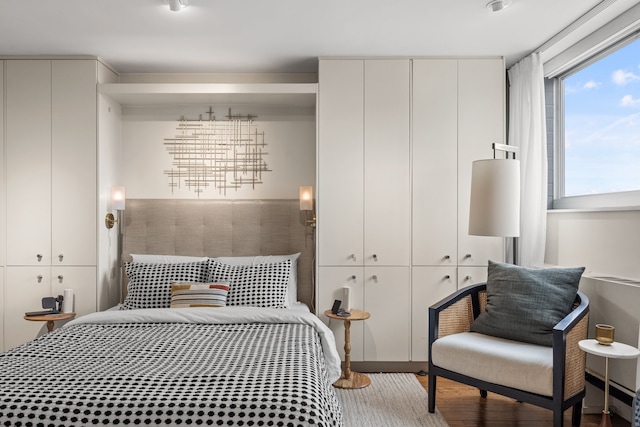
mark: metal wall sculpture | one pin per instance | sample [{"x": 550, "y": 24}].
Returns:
[{"x": 225, "y": 154}]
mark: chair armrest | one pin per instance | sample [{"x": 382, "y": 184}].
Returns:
[
  {"x": 567, "y": 355},
  {"x": 454, "y": 313}
]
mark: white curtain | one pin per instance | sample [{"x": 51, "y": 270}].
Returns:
[{"x": 527, "y": 130}]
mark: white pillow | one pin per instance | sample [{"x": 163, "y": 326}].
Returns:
[
  {"x": 292, "y": 286},
  {"x": 166, "y": 259}
]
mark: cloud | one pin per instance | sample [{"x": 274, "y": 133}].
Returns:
[
  {"x": 621, "y": 77},
  {"x": 628, "y": 101},
  {"x": 591, "y": 84}
]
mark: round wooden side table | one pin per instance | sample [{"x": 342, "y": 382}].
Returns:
[
  {"x": 50, "y": 319},
  {"x": 616, "y": 350},
  {"x": 350, "y": 379}
]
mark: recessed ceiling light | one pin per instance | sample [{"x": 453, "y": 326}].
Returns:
[
  {"x": 497, "y": 5},
  {"x": 176, "y": 5}
]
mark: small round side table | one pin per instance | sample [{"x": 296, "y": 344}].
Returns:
[
  {"x": 51, "y": 318},
  {"x": 616, "y": 350},
  {"x": 350, "y": 379}
]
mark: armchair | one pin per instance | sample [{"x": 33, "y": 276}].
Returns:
[{"x": 550, "y": 377}]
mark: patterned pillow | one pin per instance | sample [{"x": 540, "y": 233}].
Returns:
[
  {"x": 524, "y": 304},
  {"x": 262, "y": 285},
  {"x": 199, "y": 295},
  {"x": 150, "y": 284}
]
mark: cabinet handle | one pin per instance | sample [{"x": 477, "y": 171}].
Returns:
[
  {"x": 60, "y": 277},
  {"x": 447, "y": 257},
  {"x": 375, "y": 257},
  {"x": 467, "y": 256},
  {"x": 39, "y": 256},
  {"x": 60, "y": 257},
  {"x": 447, "y": 277},
  {"x": 353, "y": 277},
  {"x": 375, "y": 278},
  {"x": 468, "y": 278},
  {"x": 39, "y": 278},
  {"x": 353, "y": 257}
]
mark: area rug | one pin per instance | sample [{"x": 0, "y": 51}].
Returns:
[{"x": 391, "y": 400}]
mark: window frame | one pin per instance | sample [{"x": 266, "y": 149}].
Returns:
[{"x": 623, "y": 200}]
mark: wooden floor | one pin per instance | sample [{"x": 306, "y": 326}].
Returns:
[{"x": 462, "y": 406}]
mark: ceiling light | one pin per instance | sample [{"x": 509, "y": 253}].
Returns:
[
  {"x": 177, "y": 5},
  {"x": 497, "y": 5}
]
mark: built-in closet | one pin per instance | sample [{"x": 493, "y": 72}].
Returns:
[
  {"x": 50, "y": 188},
  {"x": 396, "y": 141}
]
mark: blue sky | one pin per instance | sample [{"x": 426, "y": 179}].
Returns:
[{"x": 602, "y": 125}]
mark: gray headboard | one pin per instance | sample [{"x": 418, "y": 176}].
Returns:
[{"x": 221, "y": 228}]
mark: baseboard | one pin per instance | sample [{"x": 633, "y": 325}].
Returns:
[{"x": 372, "y": 367}]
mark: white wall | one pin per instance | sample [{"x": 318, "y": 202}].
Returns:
[
  {"x": 290, "y": 135},
  {"x": 603, "y": 242},
  {"x": 110, "y": 157}
]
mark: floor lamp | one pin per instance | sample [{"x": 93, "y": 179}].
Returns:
[{"x": 495, "y": 196}]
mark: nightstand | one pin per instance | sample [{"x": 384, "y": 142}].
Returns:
[
  {"x": 350, "y": 379},
  {"x": 50, "y": 319},
  {"x": 616, "y": 350}
]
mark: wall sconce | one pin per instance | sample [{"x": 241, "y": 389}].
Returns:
[
  {"x": 306, "y": 205},
  {"x": 118, "y": 197},
  {"x": 495, "y": 196}
]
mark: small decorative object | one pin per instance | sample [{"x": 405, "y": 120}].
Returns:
[{"x": 604, "y": 333}]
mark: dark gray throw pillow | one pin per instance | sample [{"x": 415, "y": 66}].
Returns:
[{"x": 524, "y": 304}]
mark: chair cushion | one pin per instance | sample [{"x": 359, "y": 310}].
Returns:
[
  {"x": 524, "y": 366},
  {"x": 525, "y": 304}
]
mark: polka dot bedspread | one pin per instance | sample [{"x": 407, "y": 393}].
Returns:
[{"x": 173, "y": 373}]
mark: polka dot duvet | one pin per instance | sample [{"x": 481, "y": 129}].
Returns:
[{"x": 242, "y": 366}]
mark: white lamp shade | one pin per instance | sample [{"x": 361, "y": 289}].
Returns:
[
  {"x": 117, "y": 198},
  {"x": 306, "y": 198},
  {"x": 495, "y": 198}
]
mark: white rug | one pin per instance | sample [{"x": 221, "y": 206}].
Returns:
[{"x": 391, "y": 400}]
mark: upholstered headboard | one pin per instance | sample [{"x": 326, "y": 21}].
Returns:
[{"x": 221, "y": 228}]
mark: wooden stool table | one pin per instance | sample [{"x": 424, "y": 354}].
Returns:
[
  {"x": 50, "y": 319},
  {"x": 350, "y": 379},
  {"x": 616, "y": 350}
]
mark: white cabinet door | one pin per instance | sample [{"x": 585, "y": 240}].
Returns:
[
  {"x": 331, "y": 280},
  {"x": 24, "y": 289},
  {"x": 74, "y": 162},
  {"x": 435, "y": 157},
  {"x": 387, "y": 187},
  {"x": 468, "y": 276},
  {"x": 481, "y": 100},
  {"x": 340, "y": 162},
  {"x": 387, "y": 298},
  {"x": 428, "y": 286},
  {"x": 82, "y": 280},
  {"x": 28, "y": 161}
]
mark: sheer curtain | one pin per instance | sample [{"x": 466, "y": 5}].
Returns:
[{"x": 527, "y": 130}]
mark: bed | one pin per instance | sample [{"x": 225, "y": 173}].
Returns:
[{"x": 196, "y": 341}]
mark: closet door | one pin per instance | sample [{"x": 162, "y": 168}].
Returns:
[
  {"x": 481, "y": 101},
  {"x": 435, "y": 157},
  {"x": 331, "y": 280},
  {"x": 81, "y": 280},
  {"x": 24, "y": 289},
  {"x": 340, "y": 163},
  {"x": 387, "y": 174},
  {"x": 429, "y": 285},
  {"x": 74, "y": 162},
  {"x": 28, "y": 161},
  {"x": 387, "y": 297}
]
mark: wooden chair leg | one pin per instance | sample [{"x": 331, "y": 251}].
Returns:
[
  {"x": 432, "y": 393},
  {"x": 483, "y": 393}
]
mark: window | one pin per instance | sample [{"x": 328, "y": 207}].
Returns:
[{"x": 598, "y": 153}]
